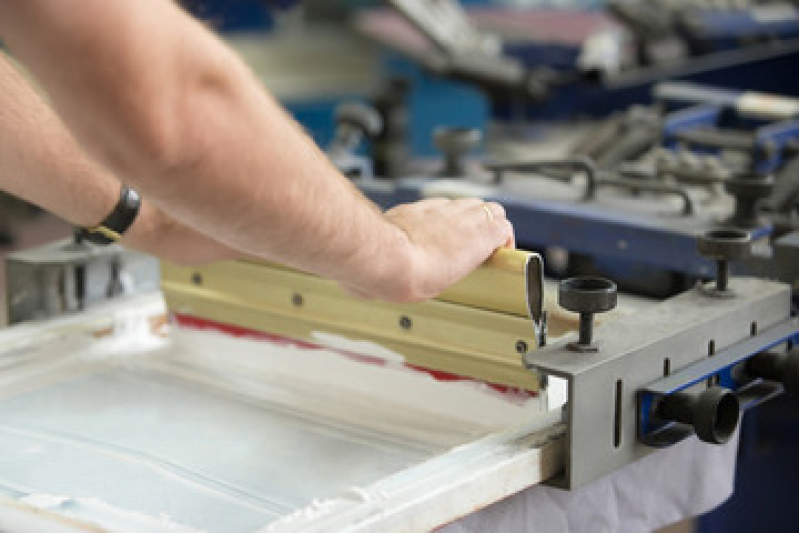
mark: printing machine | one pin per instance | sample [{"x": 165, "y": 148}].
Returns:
[
  {"x": 245, "y": 396},
  {"x": 700, "y": 159},
  {"x": 111, "y": 388}
]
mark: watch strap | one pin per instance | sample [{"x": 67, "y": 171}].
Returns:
[{"x": 117, "y": 222}]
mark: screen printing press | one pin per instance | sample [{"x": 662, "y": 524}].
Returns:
[{"x": 249, "y": 397}]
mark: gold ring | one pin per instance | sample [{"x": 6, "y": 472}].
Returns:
[{"x": 489, "y": 213}]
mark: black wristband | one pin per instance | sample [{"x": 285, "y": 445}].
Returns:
[{"x": 117, "y": 222}]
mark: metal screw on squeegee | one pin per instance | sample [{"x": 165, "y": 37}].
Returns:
[
  {"x": 455, "y": 143},
  {"x": 587, "y": 295},
  {"x": 723, "y": 246}
]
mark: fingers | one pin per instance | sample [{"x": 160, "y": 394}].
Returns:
[
  {"x": 511, "y": 242},
  {"x": 447, "y": 206},
  {"x": 433, "y": 203},
  {"x": 455, "y": 205},
  {"x": 447, "y": 239},
  {"x": 488, "y": 219},
  {"x": 494, "y": 210}
]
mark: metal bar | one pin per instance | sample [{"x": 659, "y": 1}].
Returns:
[{"x": 732, "y": 355}]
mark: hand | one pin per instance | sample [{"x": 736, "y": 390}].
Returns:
[{"x": 444, "y": 240}]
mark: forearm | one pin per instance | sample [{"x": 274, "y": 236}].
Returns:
[
  {"x": 173, "y": 110},
  {"x": 158, "y": 234},
  {"x": 41, "y": 163}
]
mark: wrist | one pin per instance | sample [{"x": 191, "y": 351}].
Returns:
[
  {"x": 145, "y": 229},
  {"x": 390, "y": 273}
]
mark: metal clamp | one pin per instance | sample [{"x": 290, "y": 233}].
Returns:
[{"x": 667, "y": 414}]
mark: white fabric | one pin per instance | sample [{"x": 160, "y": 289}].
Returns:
[{"x": 685, "y": 480}]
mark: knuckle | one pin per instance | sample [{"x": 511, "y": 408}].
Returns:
[
  {"x": 468, "y": 201},
  {"x": 497, "y": 209},
  {"x": 505, "y": 228}
]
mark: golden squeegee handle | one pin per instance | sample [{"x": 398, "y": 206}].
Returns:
[{"x": 500, "y": 284}]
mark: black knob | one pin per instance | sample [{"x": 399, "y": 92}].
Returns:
[
  {"x": 780, "y": 367},
  {"x": 455, "y": 144},
  {"x": 723, "y": 246},
  {"x": 748, "y": 190},
  {"x": 587, "y": 296},
  {"x": 713, "y": 414}
]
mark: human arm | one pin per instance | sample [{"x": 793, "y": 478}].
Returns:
[
  {"x": 163, "y": 102},
  {"x": 41, "y": 163}
]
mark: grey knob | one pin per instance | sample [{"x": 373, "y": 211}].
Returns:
[
  {"x": 723, "y": 246},
  {"x": 748, "y": 189},
  {"x": 455, "y": 144},
  {"x": 587, "y": 296},
  {"x": 362, "y": 116},
  {"x": 355, "y": 121}
]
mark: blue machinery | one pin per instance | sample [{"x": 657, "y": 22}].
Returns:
[{"x": 599, "y": 215}]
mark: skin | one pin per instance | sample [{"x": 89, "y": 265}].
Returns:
[
  {"x": 85, "y": 192},
  {"x": 162, "y": 104}
]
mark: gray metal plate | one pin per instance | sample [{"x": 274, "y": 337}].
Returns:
[{"x": 633, "y": 352}]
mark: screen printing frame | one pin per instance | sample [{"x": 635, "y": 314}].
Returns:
[{"x": 426, "y": 495}]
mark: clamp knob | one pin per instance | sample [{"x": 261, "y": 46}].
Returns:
[
  {"x": 355, "y": 121},
  {"x": 748, "y": 189},
  {"x": 455, "y": 143},
  {"x": 587, "y": 295},
  {"x": 780, "y": 367},
  {"x": 723, "y": 246},
  {"x": 713, "y": 413},
  {"x": 361, "y": 116}
]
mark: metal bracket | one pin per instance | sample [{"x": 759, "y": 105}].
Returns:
[
  {"x": 660, "y": 433},
  {"x": 636, "y": 351},
  {"x": 65, "y": 276}
]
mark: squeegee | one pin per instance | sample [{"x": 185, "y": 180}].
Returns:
[{"x": 478, "y": 329}]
